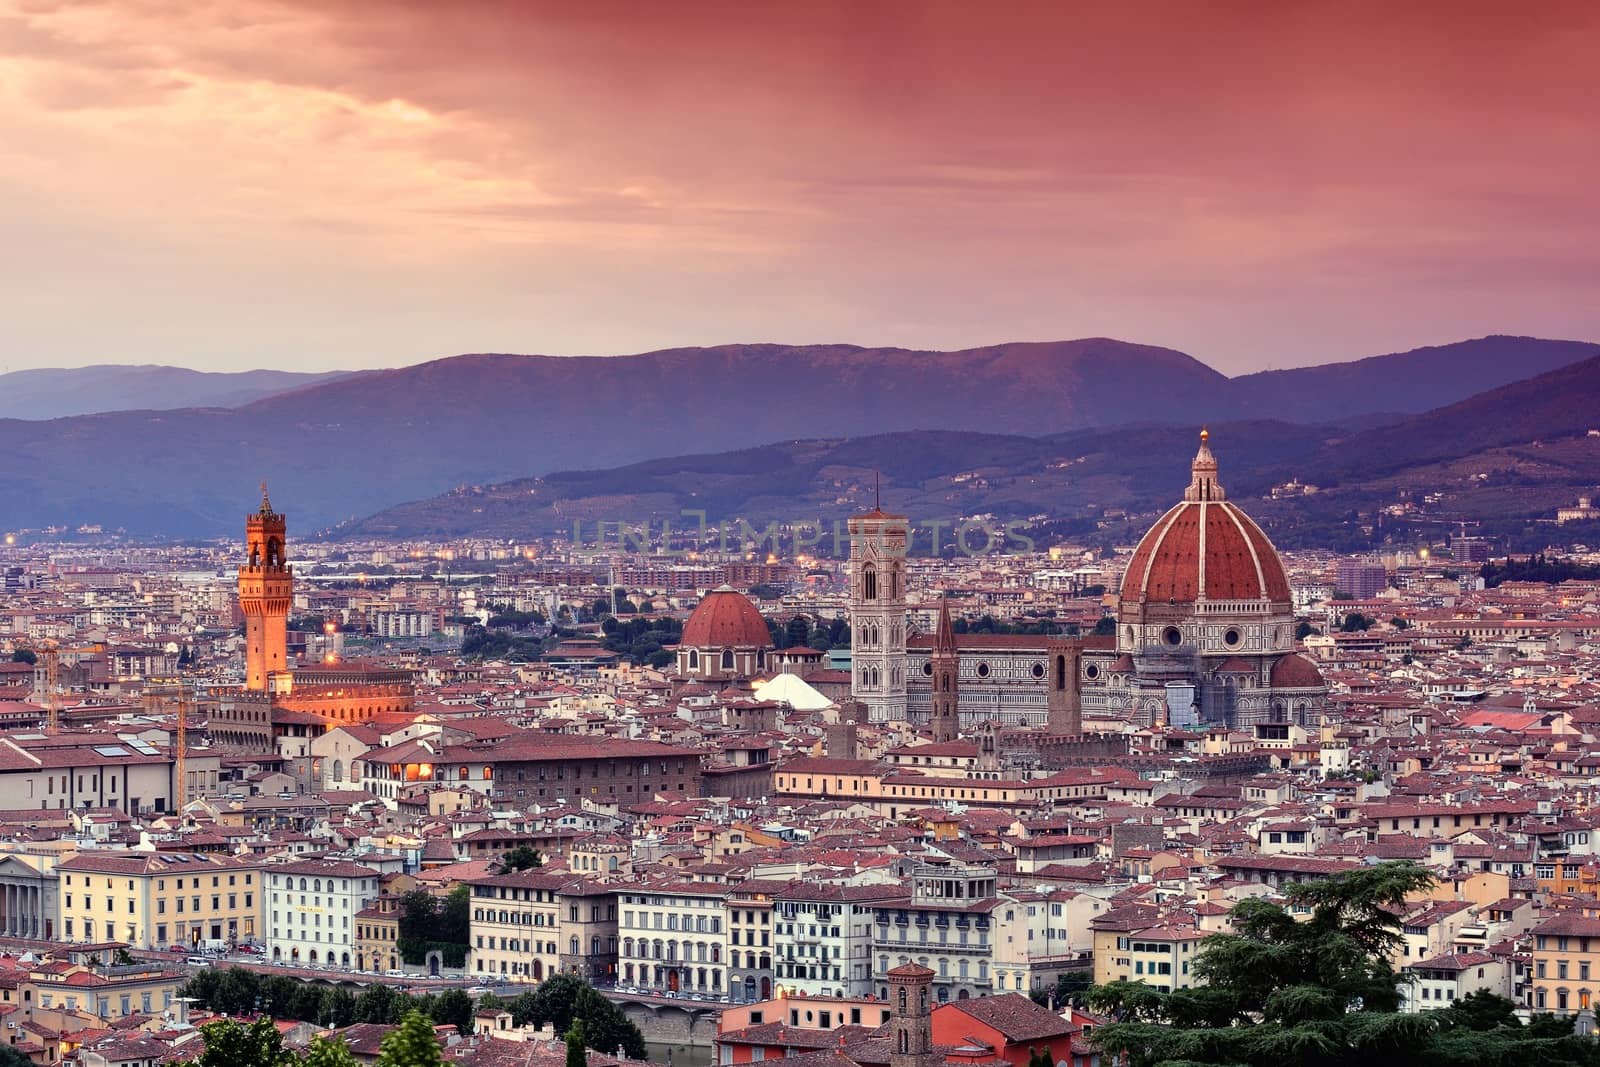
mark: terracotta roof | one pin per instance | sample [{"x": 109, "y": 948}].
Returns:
[
  {"x": 725, "y": 619},
  {"x": 1014, "y": 1016},
  {"x": 1296, "y": 672}
]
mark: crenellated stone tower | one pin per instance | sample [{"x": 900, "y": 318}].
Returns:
[{"x": 266, "y": 591}]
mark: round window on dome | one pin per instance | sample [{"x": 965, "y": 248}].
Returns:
[
  {"x": 983, "y": 670},
  {"x": 927, "y": 668},
  {"x": 1231, "y": 637},
  {"x": 1172, "y": 636},
  {"x": 1092, "y": 671},
  {"x": 1038, "y": 670}
]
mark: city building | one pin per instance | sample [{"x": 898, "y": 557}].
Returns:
[
  {"x": 156, "y": 900},
  {"x": 312, "y": 907},
  {"x": 673, "y": 938}
]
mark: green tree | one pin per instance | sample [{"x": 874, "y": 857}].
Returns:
[
  {"x": 232, "y": 1044},
  {"x": 453, "y": 1007},
  {"x": 1105, "y": 626},
  {"x": 455, "y": 923},
  {"x": 521, "y": 858},
  {"x": 25, "y": 655},
  {"x": 337, "y": 1009},
  {"x": 1308, "y": 982},
  {"x": 11, "y": 1056},
  {"x": 380, "y": 1004},
  {"x": 419, "y": 914},
  {"x": 798, "y": 631},
  {"x": 576, "y": 1052},
  {"x": 414, "y": 1044},
  {"x": 563, "y": 997},
  {"x": 329, "y": 1052},
  {"x": 1305, "y": 630}
]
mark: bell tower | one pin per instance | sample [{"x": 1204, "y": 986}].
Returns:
[
  {"x": 266, "y": 590},
  {"x": 911, "y": 1017},
  {"x": 878, "y": 613},
  {"x": 945, "y": 720}
]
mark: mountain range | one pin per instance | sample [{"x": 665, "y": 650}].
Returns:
[
  {"x": 1503, "y": 459},
  {"x": 52, "y": 393},
  {"x": 336, "y": 450}
]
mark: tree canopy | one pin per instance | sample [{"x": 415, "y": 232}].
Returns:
[
  {"x": 1317, "y": 989},
  {"x": 414, "y": 1044},
  {"x": 561, "y": 998}
]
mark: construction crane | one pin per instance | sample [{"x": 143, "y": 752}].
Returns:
[
  {"x": 158, "y": 698},
  {"x": 51, "y": 650},
  {"x": 181, "y": 790},
  {"x": 52, "y": 697}
]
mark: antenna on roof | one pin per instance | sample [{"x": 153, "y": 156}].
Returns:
[{"x": 877, "y": 495}]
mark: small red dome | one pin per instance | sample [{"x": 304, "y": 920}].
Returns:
[
  {"x": 1296, "y": 672},
  {"x": 725, "y": 619}
]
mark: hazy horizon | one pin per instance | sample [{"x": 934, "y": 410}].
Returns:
[
  {"x": 351, "y": 184},
  {"x": 1353, "y": 357}
]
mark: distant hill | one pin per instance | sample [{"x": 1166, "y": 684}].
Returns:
[
  {"x": 351, "y": 446},
  {"x": 355, "y": 445},
  {"x": 930, "y": 475},
  {"x": 1402, "y": 382},
  {"x": 1504, "y": 459},
  {"x": 54, "y": 393}
]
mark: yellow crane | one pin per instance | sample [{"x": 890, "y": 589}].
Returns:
[
  {"x": 52, "y": 681},
  {"x": 181, "y": 789},
  {"x": 51, "y": 650},
  {"x": 158, "y": 699}
]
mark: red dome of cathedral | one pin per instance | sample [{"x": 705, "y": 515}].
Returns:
[
  {"x": 1204, "y": 549},
  {"x": 725, "y": 619}
]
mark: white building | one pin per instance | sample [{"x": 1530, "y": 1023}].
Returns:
[
  {"x": 311, "y": 907},
  {"x": 823, "y": 936},
  {"x": 400, "y": 622},
  {"x": 674, "y": 939}
]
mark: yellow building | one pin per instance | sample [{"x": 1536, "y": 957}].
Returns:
[
  {"x": 894, "y": 791},
  {"x": 153, "y": 900},
  {"x": 378, "y": 926},
  {"x": 1128, "y": 949},
  {"x": 1566, "y": 964},
  {"x": 514, "y": 925},
  {"x": 104, "y": 993}
]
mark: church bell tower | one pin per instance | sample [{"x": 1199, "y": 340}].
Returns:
[
  {"x": 945, "y": 720},
  {"x": 911, "y": 1017},
  {"x": 266, "y": 591},
  {"x": 878, "y": 613}
]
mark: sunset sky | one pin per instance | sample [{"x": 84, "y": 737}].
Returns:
[{"x": 357, "y": 183}]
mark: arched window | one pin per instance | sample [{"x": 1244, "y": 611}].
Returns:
[
  {"x": 694, "y": 660},
  {"x": 574, "y": 944},
  {"x": 902, "y": 1006},
  {"x": 869, "y": 582},
  {"x": 727, "y": 659},
  {"x": 1061, "y": 673},
  {"x": 338, "y": 770}
]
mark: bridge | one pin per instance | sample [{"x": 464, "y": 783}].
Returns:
[{"x": 669, "y": 1020}]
